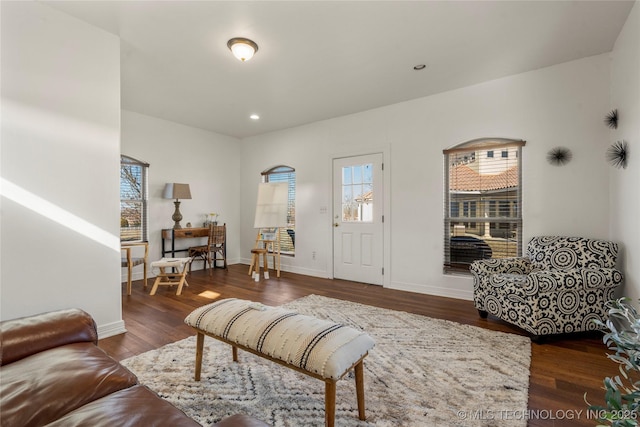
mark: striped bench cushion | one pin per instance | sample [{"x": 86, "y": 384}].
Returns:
[{"x": 319, "y": 346}]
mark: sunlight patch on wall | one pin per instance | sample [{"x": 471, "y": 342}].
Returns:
[{"x": 55, "y": 213}]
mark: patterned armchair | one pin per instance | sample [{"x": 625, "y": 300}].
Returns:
[{"x": 560, "y": 286}]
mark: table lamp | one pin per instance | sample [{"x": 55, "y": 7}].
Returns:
[{"x": 177, "y": 191}]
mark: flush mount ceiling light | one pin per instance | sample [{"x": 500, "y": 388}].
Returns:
[
  {"x": 242, "y": 48},
  {"x": 254, "y": 117}
]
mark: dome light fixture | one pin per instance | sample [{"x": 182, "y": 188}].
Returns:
[
  {"x": 254, "y": 117},
  {"x": 242, "y": 48}
]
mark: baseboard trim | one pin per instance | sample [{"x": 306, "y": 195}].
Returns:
[
  {"x": 438, "y": 291},
  {"x": 290, "y": 269},
  {"x": 111, "y": 329}
]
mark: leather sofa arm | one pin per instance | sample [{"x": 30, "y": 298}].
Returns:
[
  {"x": 25, "y": 336},
  {"x": 515, "y": 265}
]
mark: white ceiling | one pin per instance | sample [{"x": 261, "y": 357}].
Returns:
[{"x": 322, "y": 59}]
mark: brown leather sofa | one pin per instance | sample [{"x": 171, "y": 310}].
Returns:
[{"x": 53, "y": 373}]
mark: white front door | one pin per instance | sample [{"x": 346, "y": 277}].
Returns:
[{"x": 358, "y": 218}]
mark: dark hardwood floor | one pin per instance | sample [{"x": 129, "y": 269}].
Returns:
[{"x": 563, "y": 368}]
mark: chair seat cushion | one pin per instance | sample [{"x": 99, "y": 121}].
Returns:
[
  {"x": 170, "y": 262},
  {"x": 198, "y": 249},
  {"x": 134, "y": 262}
]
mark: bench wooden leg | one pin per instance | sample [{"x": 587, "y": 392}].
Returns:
[
  {"x": 359, "y": 371},
  {"x": 329, "y": 403},
  {"x": 199, "y": 350},
  {"x": 157, "y": 281},
  {"x": 234, "y": 351}
]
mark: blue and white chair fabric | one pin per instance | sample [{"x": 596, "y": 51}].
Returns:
[{"x": 560, "y": 286}]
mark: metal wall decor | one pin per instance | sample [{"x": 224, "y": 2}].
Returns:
[
  {"x": 617, "y": 154},
  {"x": 611, "y": 119},
  {"x": 559, "y": 156}
]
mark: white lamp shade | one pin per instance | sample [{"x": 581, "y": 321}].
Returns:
[{"x": 271, "y": 207}]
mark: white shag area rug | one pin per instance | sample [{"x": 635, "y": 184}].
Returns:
[{"x": 422, "y": 372}]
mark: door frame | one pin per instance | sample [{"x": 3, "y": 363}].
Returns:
[{"x": 386, "y": 192}]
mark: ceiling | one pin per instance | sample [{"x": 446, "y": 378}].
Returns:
[{"x": 323, "y": 59}]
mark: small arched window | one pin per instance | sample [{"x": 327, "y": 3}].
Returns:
[
  {"x": 286, "y": 174},
  {"x": 134, "y": 193},
  {"x": 482, "y": 201}
]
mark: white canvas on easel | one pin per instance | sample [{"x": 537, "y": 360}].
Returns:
[{"x": 271, "y": 207}]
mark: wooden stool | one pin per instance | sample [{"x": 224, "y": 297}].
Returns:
[
  {"x": 273, "y": 250},
  {"x": 254, "y": 268},
  {"x": 179, "y": 277}
]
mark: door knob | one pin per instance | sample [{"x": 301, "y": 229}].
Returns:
[{"x": 335, "y": 224}]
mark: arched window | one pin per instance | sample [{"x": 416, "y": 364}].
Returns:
[
  {"x": 133, "y": 199},
  {"x": 482, "y": 201},
  {"x": 286, "y": 174}
]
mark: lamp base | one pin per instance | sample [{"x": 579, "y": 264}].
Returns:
[{"x": 177, "y": 216}]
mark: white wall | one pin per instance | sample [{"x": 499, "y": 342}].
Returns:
[
  {"x": 625, "y": 190},
  {"x": 60, "y": 156},
  {"x": 563, "y": 105},
  {"x": 208, "y": 162}
]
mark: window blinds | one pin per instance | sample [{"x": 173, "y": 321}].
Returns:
[
  {"x": 483, "y": 202},
  {"x": 133, "y": 199}
]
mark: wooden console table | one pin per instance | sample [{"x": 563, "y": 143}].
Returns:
[
  {"x": 181, "y": 233},
  {"x": 185, "y": 233}
]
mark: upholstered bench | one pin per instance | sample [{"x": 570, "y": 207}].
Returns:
[{"x": 318, "y": 348}]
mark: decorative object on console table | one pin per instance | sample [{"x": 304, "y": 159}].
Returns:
[
  {"x": 211, "y": 218},
  {"x": 271, "y": 213},
  {"x": 177, "y": 191}
]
